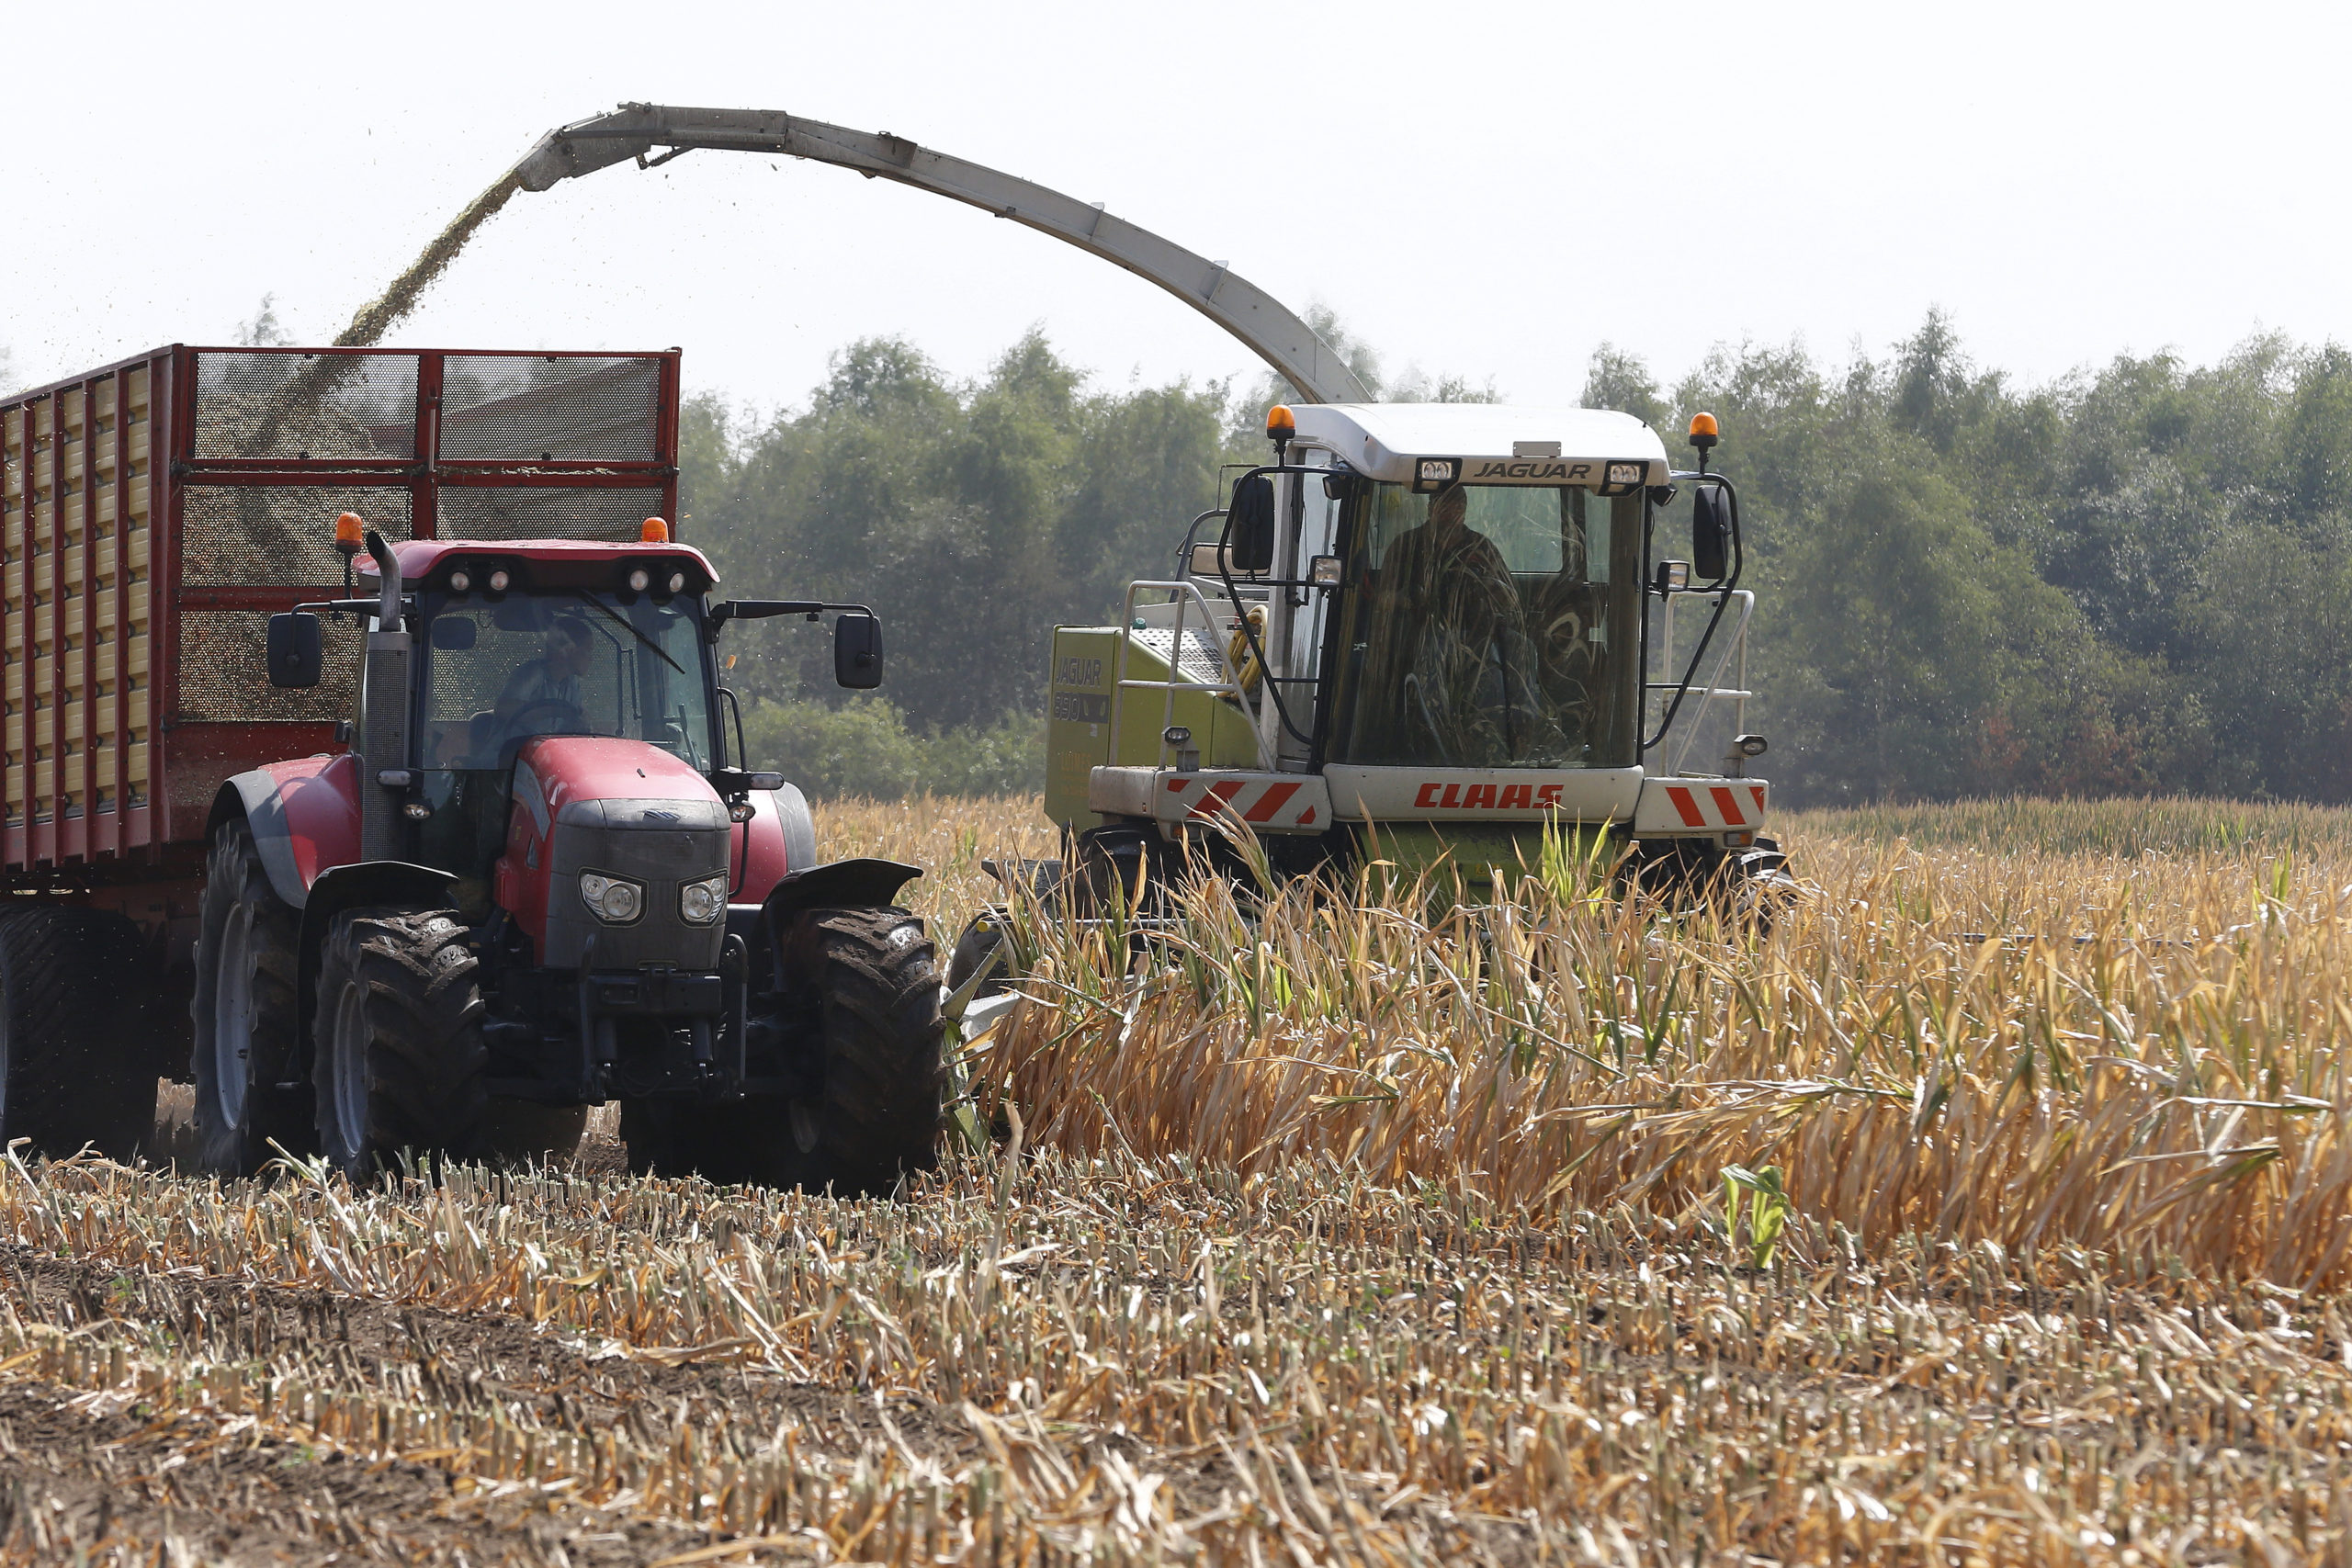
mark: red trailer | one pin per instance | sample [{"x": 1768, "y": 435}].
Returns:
[{"x": 155, "y": 514}]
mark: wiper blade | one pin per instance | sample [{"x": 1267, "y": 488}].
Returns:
[{"x": 628, "y": 625}]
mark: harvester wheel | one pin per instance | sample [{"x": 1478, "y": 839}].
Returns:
[
  {"x": 868, "y": 980},
  {"x": 246, "y": 1011},
  {"x": 75, "y": 1068},
  {"x": 1117, "y": 869},
  {"x": 399, "y": 1036}
]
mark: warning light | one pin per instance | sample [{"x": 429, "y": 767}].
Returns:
[
  {"x": 655, "y": 532},
  {"x": 1281, "y": 423},
  {"x": 1702, "y": 431},
  {"x": 347, "y": 531}
]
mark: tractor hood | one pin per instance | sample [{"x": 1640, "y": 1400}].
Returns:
[
  {"x": 598, "y": 782},
  {"x": 612, "y": 809}
]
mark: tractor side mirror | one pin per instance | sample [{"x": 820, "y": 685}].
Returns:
[
  {"x": 297, "y": 652},
  {"x": 1250, "y": 523},
  {"x": 1710, "y": 534},
  {"x": 857, "y": 651}
]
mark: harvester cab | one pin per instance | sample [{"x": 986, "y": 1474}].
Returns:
[
  {"x": 1447, "y": 629},
  {"x": 541, "y": 878}
]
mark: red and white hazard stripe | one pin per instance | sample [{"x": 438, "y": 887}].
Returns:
[
  {"x": 1263, "y": 800},
  {"x": 1700, "y": 806}
]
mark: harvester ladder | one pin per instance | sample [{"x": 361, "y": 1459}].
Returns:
[{"x": 1184, "y": 596}]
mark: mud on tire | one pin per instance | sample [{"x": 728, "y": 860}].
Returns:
[
  {"x": 398, "y": 1032},
  {"x": 870, "y": 980},
  {"x": 245, "y": 1013},
  {"x": 76, "y": 1063}
]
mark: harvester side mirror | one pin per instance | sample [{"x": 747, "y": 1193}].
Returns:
[
  {"x": 1710, "y": 534},
  {"x": 1250, "y": 524},
  {"x": 857, "y": 651},
  {"x": 297, "y": 651}
]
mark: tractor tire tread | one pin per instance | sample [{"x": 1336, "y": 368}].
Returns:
[{"x": 424, "y": 1056}]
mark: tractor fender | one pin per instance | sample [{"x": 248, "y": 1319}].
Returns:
[
  {"x": 777, "y": 840},
  {"x": 304, "y": 816},
  {"x": 341, "y": 888},
  {"x": 852, "y": 883}
]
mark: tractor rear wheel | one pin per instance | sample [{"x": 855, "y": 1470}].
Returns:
[
  {"x": 76, "y": 1065},
  {"x": 247, "y": 964},
  {"x": 869, "y": 981},
  {"x": 399, "y": 1039}
]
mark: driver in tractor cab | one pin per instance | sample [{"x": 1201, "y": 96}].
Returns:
[
  {"x": 1449, "y": 638},
  {"x": 550, "y": 681}
]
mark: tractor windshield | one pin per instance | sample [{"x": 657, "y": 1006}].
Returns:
[
  {"x": 1491, "y": 627},
  {"x": 577, "y": 662}
]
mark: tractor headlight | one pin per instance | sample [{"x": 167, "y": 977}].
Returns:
[
  {"x": 615, "y": 900},
  {"x": 700, "y": 903}
]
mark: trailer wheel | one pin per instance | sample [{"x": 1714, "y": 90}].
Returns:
[
  {"x": 868, "y": 980},
  {"x": 245, "y": 1013},
  {"x": 401, "y": 1057},
  {"x": 75, "y": 1066}
]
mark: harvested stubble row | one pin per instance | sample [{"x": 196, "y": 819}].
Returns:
[
  {"x": 2142, "y": 1056},
  {"x": 1121, "y": 1362}
]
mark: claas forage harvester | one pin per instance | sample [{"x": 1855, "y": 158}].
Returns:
[
  {"x": 524, "y": 867},
  {"x": 1429, "y": 635}
]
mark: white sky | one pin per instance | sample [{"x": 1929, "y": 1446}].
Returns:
[{"x": 1482, "y": 189}]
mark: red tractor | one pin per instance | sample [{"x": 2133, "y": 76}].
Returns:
[
  {"x": 533, "y": 882},
  {"x": 521, "y": 870}
]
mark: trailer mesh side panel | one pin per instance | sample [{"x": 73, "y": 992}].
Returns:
[
  {"x": 254, "y": 534},
  {"x": 224, "y": 676},
  {"x": 613, "y": 516},
  {"x": 305, "y": 406},
  {"x": 505, "y": 409}
]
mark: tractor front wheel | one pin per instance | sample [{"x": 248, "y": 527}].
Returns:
[
  {"x": 868, "y": 980},
  {"x": 400, "y": 1058}
]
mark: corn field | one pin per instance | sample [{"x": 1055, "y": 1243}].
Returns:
[{"x": 1987, "y": 1207}]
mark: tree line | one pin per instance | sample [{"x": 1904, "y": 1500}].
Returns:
[{"x": 2130, "y": 581}]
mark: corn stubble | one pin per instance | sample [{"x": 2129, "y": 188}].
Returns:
[{"x": 1398, "y": 1234}]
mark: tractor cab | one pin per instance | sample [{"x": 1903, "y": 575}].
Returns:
[{"x": 575, "y": 640}]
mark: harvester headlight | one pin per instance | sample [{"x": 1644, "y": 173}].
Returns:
[
  {"x": 1752, "y": 745},
  {"x": 498, "y": 582},
  {"x": 615, "y": 900},
  {"x": 639, "y": 580},
  {"x": 677, "y": 582},
  {"x": 1673, "y": 576},
  {"x": 700, "y": 903},
  {"x": 461, "y": 582}
]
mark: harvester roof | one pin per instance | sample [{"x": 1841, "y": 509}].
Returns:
[{"x": 1496, "y": 443}]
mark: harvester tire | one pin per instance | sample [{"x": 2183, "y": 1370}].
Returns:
[
  {"x": 869, "y": 980},
  {"x": 75, "y": 1066},
  {"x": 245, "y": 1014},
  {"x": 399, "y": 1050}
]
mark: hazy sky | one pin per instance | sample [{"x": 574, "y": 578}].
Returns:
[{"x": 1482, "y": 189}]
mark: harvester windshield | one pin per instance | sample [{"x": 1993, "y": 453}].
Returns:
[{"x": 1491, "y": 627}]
